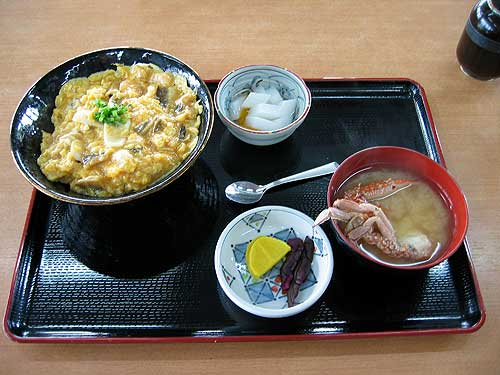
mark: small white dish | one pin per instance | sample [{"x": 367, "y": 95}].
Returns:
[
  {"x": 264, "y": 297},
  {"x": 240, "y": 80}
]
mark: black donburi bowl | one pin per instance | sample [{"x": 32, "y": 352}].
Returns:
[{"x": 35, "y": 110}]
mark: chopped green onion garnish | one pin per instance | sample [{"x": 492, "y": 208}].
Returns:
[{"x": 111, "y": 114}]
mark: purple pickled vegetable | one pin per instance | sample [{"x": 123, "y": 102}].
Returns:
[
  {"x": 293, "y": 292},
  {"x": 285, "y": 283},
  {"x": 295, "y": 242},
  {"x": 309, "y": 245},
  {"x": 291, "y": 260},
  {"x": 301, "y": 271},
  {"x": 304, "y": 264}
]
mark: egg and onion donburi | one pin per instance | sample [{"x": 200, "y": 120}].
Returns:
[{"x": 117, "y": 131}]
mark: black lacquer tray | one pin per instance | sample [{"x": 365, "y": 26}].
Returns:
[{"x": 164, "y": 288}]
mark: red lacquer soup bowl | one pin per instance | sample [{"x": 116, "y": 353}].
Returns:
[{"x": 424, "y": 168}]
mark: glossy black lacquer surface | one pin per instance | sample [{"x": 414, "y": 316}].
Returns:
[
  {"x": 147, "y": 269},
  {"x": 33, "y": 115}
]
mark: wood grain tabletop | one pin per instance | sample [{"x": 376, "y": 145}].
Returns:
[{"x": 342, "y": 38}]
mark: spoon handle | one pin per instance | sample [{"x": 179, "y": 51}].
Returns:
[{"x": 315, "y": 172}]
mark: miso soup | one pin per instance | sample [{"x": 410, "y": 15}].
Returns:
[{"x": 416, "y": 209}]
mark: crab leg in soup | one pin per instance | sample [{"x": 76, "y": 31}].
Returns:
[{"x": 391, "y": 215}]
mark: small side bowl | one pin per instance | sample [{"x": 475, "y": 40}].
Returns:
[
  {"x": 241, "y": 79},
  {"x": 417, "y": 164},
  {"x": 264, "y": 297}
]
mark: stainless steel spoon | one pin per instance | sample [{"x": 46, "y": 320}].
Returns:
[{"x": 246, "y": 192}]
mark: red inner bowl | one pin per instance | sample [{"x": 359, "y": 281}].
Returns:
[{"x": 416, "y": 164}]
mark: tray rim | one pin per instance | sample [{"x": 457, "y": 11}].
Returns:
[{"x": 255, "y": 338}]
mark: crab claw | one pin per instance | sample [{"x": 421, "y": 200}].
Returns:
[
  {"x": 322, "y": 217},
  {"x": 332, "y": 213}
]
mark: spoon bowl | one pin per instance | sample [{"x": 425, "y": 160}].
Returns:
[{"x": 246, "y": 192}]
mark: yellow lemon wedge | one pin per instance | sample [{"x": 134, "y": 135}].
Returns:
[{"x": 263, "y": 253}]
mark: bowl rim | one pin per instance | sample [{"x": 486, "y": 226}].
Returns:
[
  {"x": 299, "y": 119},
  {"x": 153, "y": 187},
  {"x": 319, "y": 290},
  {"x": 418, "y": 266}
]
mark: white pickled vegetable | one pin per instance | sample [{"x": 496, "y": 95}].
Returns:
[
  {"x": 266, "y": 108},
  {"x": 261, "y": 123},
  {"x": 286, "y": 110},
  {"x": 255, "y": 98},
  {"x": 287, "y": 107},
  {"x": 275, "y": 97},
  {"x": 265, "y": 111},
  {"x": 260, "y": 89},
  {"x": 235, "y": 107},
  {"x": 283, "y": 121}
]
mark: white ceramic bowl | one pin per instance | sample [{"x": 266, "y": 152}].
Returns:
[
  {"x": 264, "y": 297},
  {"x": 290, "y": 86}
]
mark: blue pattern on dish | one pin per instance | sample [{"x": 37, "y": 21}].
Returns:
[{"x": 268, "y": 287}]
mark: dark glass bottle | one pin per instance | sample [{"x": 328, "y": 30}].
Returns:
[{"x": 478, "y": 51}]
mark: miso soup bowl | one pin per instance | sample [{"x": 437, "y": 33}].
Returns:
[
  {"x": 417, "y": 164},
  {"x": 241, "y": 79}
]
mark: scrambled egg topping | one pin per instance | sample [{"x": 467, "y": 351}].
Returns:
[{"x": 155, "y": 134}]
